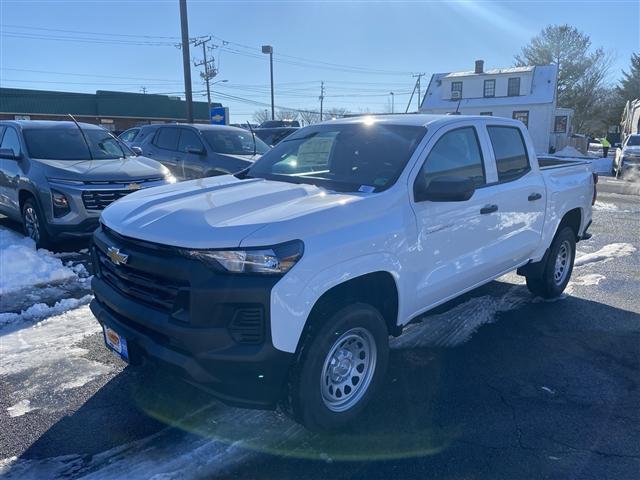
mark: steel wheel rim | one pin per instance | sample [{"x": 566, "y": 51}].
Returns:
[
  {"x": 348, "y": 369},
  {"x": 563, "y": 259},
  {"x": 31, "y": 223}
]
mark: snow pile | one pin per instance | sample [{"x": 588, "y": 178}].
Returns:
[
  {"x": 605, "y": 206},
  {"x": 613, "y": 250},
  {"x": 572, "y": 152},
  {"x": 42, "y": 310},
  {"x": 21, "y": 265},
  {"x": 44, "y": 359}
]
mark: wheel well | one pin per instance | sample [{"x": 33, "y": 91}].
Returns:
[
  {"x": 23, "y": 195},
  {"x": 377, "y": 289},
  {"x": 573, "y": 220}
]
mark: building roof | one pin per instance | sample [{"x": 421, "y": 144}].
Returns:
[
  {"x": 543, "y": 89},
  {"x": 103, "y": 103}
]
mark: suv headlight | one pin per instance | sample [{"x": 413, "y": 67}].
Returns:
[{"x": 276, "y": 260}]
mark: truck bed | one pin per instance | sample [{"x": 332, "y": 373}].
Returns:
[{"x": 547, "y": 162}]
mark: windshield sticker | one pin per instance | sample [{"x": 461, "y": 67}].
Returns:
[{"x": 366, "y": 188}]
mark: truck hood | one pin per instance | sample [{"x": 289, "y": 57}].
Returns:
[
  {"x": 215, "y": 212},
  {"x": 121, "y": 169}
]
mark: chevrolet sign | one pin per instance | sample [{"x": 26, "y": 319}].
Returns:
[{"x": 116, "y": 256}]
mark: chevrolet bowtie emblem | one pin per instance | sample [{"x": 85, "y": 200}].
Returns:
[
  {"x": 116, "y": 257},
  {"x": 133, "y": 186},
  {"x": 217, "y": 118}
]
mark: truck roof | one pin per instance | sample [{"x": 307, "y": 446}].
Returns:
[
  {"x": 420, "y": 119},
  {"x": 27, "y": 124}
]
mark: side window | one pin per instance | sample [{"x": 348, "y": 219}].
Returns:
[
  {"x": 167, "y": 138},
  {"x": 129, "y": 135},
  {"x": 510, "y": 151},
  {"x": 11, "y": 141},
  {"x": 189, "y": 139},
  {"x": 456, "y": 153}
]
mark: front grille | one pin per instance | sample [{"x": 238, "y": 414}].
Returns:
[
  {"x": 101, "y": 199},
  {"x": 154, "y": 290},
  {"x": 247, "y": 326}
]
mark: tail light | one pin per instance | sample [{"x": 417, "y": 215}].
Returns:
[{"x": 595, "y": 188}]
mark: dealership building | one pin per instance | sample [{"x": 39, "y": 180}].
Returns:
[{"x": 115, "y": 111}]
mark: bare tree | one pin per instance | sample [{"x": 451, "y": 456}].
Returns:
[
  {"x": 309, "y": 117},
  {"x": 581, "y": 70},
  {"x": 335, "y": 112},
  {"x": 285, "y": 114},
  {"x": 261, "y": 116}
]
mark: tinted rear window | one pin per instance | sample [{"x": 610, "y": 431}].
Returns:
[
  {"x": 510, "y": 152},
  {"x": 167, "y": 138}
]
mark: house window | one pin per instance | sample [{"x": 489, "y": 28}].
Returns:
[
  {"x": 488, "y": 114},
  {"x": 523, "y": 116},
  {"x": 456, "y": 87},
  {"x": 560, "y": 124},
  {"x": 489, "y": 88},
  {"x": 513, "y": 87}
]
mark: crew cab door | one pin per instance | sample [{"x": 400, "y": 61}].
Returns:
[
  {"x": 519, "y": 193},
  {"x": 454, "y": 238}
]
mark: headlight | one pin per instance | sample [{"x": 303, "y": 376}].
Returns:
[
  {"x": 276, "y": 260},
  {"x": 60, "y": 204}
]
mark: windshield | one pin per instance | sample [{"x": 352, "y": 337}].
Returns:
[
  {"x": 353, "y": 157},
  {"x": 68, "y": 144},
  {"x": 234, "y": 142},
  {"x": 634, "y": 140}
]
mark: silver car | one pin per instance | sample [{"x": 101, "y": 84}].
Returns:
[{"x": 57, "y": 177}]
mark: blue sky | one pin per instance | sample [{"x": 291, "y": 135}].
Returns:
[{"x": 362, "y": 50}]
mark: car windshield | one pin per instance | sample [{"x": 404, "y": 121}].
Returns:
[
  {"x": 346, "y": 157},
  {"x": 234, "y": 142},
  {"x": 634, "y": 140},
  {"x": 65, "y": 143}
]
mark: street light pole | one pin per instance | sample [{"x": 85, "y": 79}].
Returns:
[
  {"x": 186, "y": 62},
  {"x": 393, "y": 102},
  {"x": 269, "y": 49}
]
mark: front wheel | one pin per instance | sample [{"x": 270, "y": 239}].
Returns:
[
  {"x": 34, "y": 224},
  {"x": 558, "y": 267},
  {"x": 339, "y": 369}
]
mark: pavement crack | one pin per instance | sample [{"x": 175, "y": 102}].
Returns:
[
  {"x": 514, "y": 418},
  {"x": 594, "y": 451}
]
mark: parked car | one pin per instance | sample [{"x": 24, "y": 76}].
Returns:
[
  {"x": 196, "y": 151},
  {"x": 279, "y": 123},
  {"x": 273, "y": 136},
  {"x": 128, "y": 136},
  {"x": 57, "y": 177},
  {"x": 282, "y": 285},
  {"x": 627, "y": 158}
]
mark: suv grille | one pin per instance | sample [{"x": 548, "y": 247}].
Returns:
[
  {"x": 101, "y": 199},
  {"x": 247, "y": 326},
  {"x": 153, "y": 290}
]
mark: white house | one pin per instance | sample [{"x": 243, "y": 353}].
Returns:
[{"x": 527, "y": 94}]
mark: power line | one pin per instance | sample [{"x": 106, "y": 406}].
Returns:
[{"x": 25, "y": 27}]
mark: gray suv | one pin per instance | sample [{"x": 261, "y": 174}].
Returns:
[
  {"x": 196, "y": 151},
  {"x": 57, "y": 177}
]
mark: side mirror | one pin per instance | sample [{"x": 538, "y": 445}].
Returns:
[
  {"x": 137, "y": 151},
  {"x": 195, "y": 150},
  {"x": 8, "y": 154},
  {"x": 444, "y": 189}
]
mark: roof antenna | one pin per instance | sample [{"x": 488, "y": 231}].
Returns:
[
  {"x": 253, "y": 134},
  {"x": 81, "y": 133}
]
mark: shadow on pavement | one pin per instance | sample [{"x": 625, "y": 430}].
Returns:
[{"x": 549, "y": 390}]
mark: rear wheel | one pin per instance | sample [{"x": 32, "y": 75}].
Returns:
[
  {"x": 34, "y": 224},
  {"x": 558, "y": 267},
  {"x": 339, "y": 369}
]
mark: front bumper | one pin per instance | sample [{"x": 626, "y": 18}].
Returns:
[{"x": 196, "y": 334}]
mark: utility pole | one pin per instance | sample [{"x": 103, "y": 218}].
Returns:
[
  {"x": 269, "y": 49},
  {"x": 419, "y": 77},
  {"x": 143, "y": 89},
  {"x": 321, "y": 97},
  {"x": 393, "y": 102},
  {"x": 209, "y": 69},
  {"x": 186, "y": 63}
]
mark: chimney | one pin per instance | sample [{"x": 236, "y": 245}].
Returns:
[{"x": 479, "y": 66}]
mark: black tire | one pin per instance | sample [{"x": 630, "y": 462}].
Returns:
[
  {"x": 305, "y": 401},
  {"x": 34, "y": 224},
  {"x": 554, "y": 280}
]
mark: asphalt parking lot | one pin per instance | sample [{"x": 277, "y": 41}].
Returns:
[{"x": 527, "y": 389}]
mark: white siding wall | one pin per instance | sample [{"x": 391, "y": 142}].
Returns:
[{"x": 473, "y": 86}]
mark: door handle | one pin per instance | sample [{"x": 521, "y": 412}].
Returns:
[
  {"x": 534, "y": 196},
  {"x": 488, "y": 209}
]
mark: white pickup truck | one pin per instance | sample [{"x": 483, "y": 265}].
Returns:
[{"x": 281, "y": 285}]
